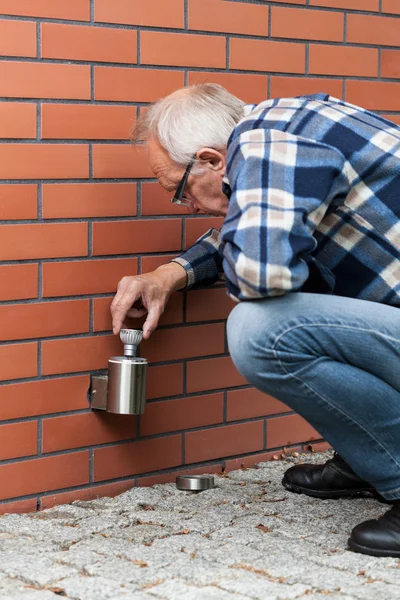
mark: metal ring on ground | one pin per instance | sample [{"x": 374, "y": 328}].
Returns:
[{"x": 195, "y": 483}]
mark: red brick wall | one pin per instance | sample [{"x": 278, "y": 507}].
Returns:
[{"x": 79, "y": 209}]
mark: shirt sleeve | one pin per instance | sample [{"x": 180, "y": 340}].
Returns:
[
  {"x": 282, "y": 186},
  {"x": 203, "y": 261}
]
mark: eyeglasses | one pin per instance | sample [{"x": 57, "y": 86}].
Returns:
[{"x": 178, "y": 197}]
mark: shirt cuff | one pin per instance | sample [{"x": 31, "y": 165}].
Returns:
[{"x": 189, "y": 271}]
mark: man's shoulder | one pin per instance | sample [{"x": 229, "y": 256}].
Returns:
[{"x": 275, "y": 113}]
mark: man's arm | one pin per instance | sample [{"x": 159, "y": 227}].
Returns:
[
  {"x": 203, "y": 261},
  {"x": 282, "y": 185}
]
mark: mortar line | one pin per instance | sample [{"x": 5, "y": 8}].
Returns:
[
  {"x": 91, "y": 466},
  {"x": 39, "y": 436},
  {"x": 186, "y": 15},
  {"x": 38, "y": 39}
]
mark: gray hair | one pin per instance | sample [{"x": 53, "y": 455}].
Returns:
[{"x": 202, "y": 115}]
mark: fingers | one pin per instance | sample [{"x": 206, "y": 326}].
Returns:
[
  {"x": 151, "y": 322},
  {"x": 124, "y": 298}
]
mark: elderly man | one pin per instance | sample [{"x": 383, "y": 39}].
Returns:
[{"x": 310, "y": 246}]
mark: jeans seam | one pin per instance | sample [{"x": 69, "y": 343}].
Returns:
[
  {"x": 388, "y": 337},
  {"x": 309, "y": 387}
]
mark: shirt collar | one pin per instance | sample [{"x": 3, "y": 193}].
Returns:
[{"x": 226, "y": 187}]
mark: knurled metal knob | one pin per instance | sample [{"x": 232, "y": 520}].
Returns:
[{"x": 131, "y": 339}]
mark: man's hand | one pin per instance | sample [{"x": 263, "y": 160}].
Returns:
[{"x": 149, "y": 293}]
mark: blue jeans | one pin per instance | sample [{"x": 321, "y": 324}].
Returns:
[{"x": 336, "y": 362}]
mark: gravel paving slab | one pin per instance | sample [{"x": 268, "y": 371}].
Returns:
[{"x": 248, "y": 538}]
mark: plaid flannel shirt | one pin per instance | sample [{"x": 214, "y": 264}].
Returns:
[{"x": 314, "y": 188}]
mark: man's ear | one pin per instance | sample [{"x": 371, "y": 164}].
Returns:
[{"x": 214, "y": 158}]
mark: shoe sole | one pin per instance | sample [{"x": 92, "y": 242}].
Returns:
[
  {"x": 372, "y": 551},
  {"x": 326, "y": 495}
]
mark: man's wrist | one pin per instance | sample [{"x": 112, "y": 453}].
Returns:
[{"x": 173, "y": 275}]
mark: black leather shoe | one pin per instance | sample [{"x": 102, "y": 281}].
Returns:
[
  {"x": 333, "y": 479},
  {"x": 378, "y": 537}
]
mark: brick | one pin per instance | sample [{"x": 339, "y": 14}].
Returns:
[
  {"x": 43, "y": 80},
  {"x": 371, "y": 5},
  {"x": 284, "y": 431},
  {"x": 178, "y": 49},
  {"x": 24, "y": 321},
  {"x": 85, "y": 121},
  {"x": 250, "y": 402},
  {"x": 75, "y": 10},
  {"x": 374, "y": 95},
  {"x": 169, "y": 477},
  {"x": 49, "y": 161},
  {"x": 249, "y": 88},
  {"x": 22, "y": 506},
  {"x": 18, "y": 282},
  {"x": 185, "y": 413},
  {"x": 343, "y": 60},
  {"x": 75, "y": 431},
  {"x": 149, "y": 13},
  {"x": 368, "y": 29},
  {"x": 218, "y": 442},
  {"x": 72, "y": 200},
  {"x": 157, "y": 201},
  {"x": 211, "y": 374},
  {"x": 286, "y": 87},
  {"x": 245, "y": 462},
  {"x": 18, "y": 361},
  {"x": 18, "y": 201},
  {"x": 173, "y": 313},
  {"x": 392, "y": 118},
  {"x": 251, "y": 19},
  {"x": 184, "y": 342},
  {"x": 79, "y": 354},
  {"x": 18, "y": 439},
  {"x": 318, "y": 447},
  {"x": 391, "y": 6},
  {"x": 17, "y": 38},
  {"x": 137, "y": 457},
  {"x": 151, "y": 263},
  {"x": 262, "y": 55},
  {"x": 44, "y": 474},
  {"x": 17, "y": 119},
  {"x": 164, "y": 381},
  {"x": 85, "y": 276},
  {"x": 34, "y": 398},
  {"x": 43, "y": 240},
  {"x": 135, "y": 85},
  {"x": 196, "y": 227},
  {"x": 100, "y": 44},
  {"x": 129, "y": 237},
  {"x": 120, "y": 161},
  {"x": 208, "y": 305},
  {"x": 109, "y": 490},
  {"x": 390, "y": 63},
  {"x": 297, "y": 23}
]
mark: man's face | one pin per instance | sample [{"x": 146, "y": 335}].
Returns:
[{"x": 204, "y": 190}]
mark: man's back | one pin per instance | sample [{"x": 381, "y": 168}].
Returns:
[{"x": 358, "y": 237}]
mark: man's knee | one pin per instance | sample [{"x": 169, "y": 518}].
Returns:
[{"x": 250, "y": 331}]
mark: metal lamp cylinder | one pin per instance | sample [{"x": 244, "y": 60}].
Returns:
[{"x": 126, "y": 385}]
